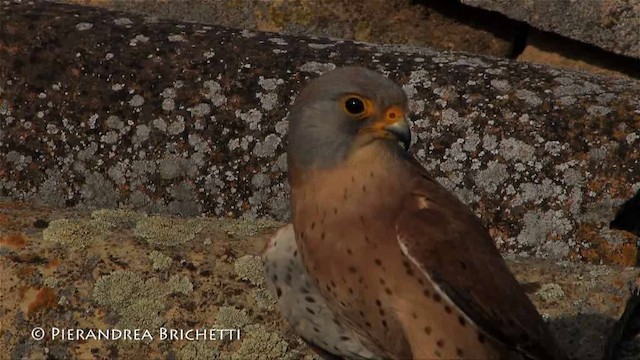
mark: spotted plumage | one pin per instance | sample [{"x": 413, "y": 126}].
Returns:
[{"x": 394, "y": 262}]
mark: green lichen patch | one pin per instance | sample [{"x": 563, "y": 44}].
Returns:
[
  {"x": 75, "y": 233},
  {"x": 243, "y": 228},
  {"x": 261, "y": 344},
  {"x": 167, "y": 232},
  {"x": 197, "y": 350},
  {"x": 160, "y": 260},
  {"x": 119, "y": 218},
  {"x": 249, "y": 267},
  {"x": 231, "y": 317},
  {"x": 138, "y": 302},
  {"x": 550, "y": 293},
  {"x": 179, "y": 284},
  {"x": 263, "y": 298}
]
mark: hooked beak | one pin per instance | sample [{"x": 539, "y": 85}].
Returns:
[
  {"x": 392, "y": 125},
  {"x": 401, "y": 130}
]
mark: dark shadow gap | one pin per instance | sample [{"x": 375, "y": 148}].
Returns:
[
  {"x": 521, "y": 35},
  {"x": 498, "y": 25},
  {"x": 578, "y": 51},
  {"x": 628, "y": 219}
]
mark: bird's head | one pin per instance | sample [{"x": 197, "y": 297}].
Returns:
[{"x": 342, "y": 111}]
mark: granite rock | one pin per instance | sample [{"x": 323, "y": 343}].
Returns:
[{"x": 102, "y": 109}]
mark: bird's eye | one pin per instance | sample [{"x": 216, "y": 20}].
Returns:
[{"x": 354, "y": 106}]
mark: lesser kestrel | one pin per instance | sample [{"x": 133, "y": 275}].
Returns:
[{"x": 381, "y": 261}]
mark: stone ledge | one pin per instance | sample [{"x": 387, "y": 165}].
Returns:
[{"x": 119, "y": 269}]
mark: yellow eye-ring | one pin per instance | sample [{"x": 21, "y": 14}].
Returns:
[{"x": 356, "y": 106}]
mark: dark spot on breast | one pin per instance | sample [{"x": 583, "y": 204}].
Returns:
[
  {"x": 362, "y": 219},
  {"x": 352, "y": 269},
  {"x": 316, "y": 329},
  {"x": 378, "y": 302},
  {"x": 361, "y": 314},
  {"x": 349, "y": 251},
  {"x": 333, "y": 284},
  {"x": 278, "y": 291},
  {"x": 364, "y": 188},
  {"x": 366, "y": 239},
  {"x": 426, "y": 293},
  {"x": 345, "y": 338},
  {"x": 427, "y": 330},
  {"x": 410, "y": 272},
  {"x": 463, "y": 265},
  {"x": 310, "y": 299},
  {"x": 322, "y": 235},
  {"x": 388, "y": 291},
  {"x": 447, "y": 308},
  {"x": 351, "y": 291},
  {"x": 440, "y": 343},
  {"x": 295, "y": 253},
  {"x": 459, "y": 352},
  {"x": 313, "y": 225},
  {"x": 414, "y": 315},
  {"x": 274, "y": 278},
  {"x": 378, "y": 262},
  {"x": 371, "y": 174},
  {"x": 420, "y": 281},
  {"x": 310, "y": 311},
  {"x": 437, "y": 353},
  {"x": 462, "y": 321},
  {"x": 301, "y": 235},
  {"x": 437, "y": 297},
  {"x": 335, "y": 211},
  {"x": 382, "y": 282},
  {"x": 384, "y": 323},
  {"x": 367, "y": 324},
  {"x": 381, "y": 312}
]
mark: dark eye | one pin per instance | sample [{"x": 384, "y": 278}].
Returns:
[{"x": 354, "y": 106}]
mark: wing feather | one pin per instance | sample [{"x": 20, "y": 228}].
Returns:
[{"x": 443, "y": 238}]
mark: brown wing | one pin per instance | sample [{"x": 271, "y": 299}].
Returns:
[{"x": 447, "y": 241}]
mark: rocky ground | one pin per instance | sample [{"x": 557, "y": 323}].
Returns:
[{"x": 124, "y": 269}]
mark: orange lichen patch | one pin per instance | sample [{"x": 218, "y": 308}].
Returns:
[
  {"x": 618, "y": 299},
  {"x": 36, "y": 300},
  {"x": 52, "y": 264},
  {"x": 614, "y": 187},
  {"x": 13, "y": 205},
  {"x": 25, "y": 271},
  {"x": 602, "y": 251},
  {"x": 15, "y": 240}
]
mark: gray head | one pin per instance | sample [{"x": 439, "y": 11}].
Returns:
[{"x": 343, "y": 110}]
